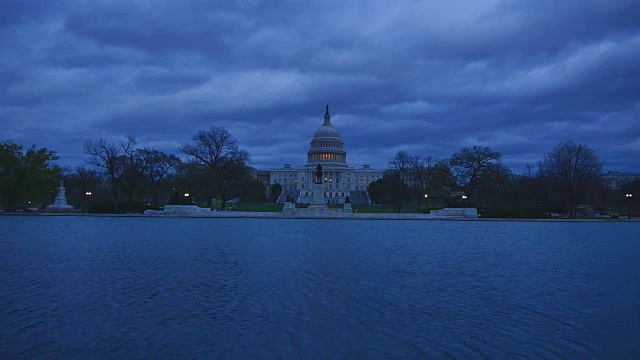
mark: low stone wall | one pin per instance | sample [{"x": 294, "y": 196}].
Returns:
[
  {"x": 290, "y": 211},
  {"x": 185, "y": 209},
  {"x": 456, "y": 212}
]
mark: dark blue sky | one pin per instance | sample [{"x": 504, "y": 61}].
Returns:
[{"x": 428, "y": 77}]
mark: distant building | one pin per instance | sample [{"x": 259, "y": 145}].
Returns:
[
  {"x": 616, "y": 180},
  {"x": 263, "y": 176},
  {"x": 339, "y": 179}
]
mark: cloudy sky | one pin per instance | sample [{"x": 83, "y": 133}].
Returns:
[{"x": 428, "y": 77}]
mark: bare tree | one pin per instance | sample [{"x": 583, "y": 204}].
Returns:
[
  {"x": 133, "y": 178},
  {"x": 529, "y": 170},
  {"x": 575, "y": 166},
  {"x": 109, "y": 157},
  {"x": 222, "y": 161},
  {"x": 157, "y": 169},
  {"x": 216, "y": 148},
  {"x": 400, "y": 164},
  {"x": 88, "y": 180},
  {"x": 476, "y": 166},
  {"x": 427, "y": 175},
  {"x": 399, "y": 190}
]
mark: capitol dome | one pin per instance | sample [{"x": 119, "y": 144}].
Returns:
[
  {"x": 327, "y": 130},
  {"x": 327, "y": 146}
]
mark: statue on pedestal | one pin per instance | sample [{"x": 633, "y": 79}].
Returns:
[{"x": 60, "y": 202}]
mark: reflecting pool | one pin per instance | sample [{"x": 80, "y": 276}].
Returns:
[{"x": 83, "y": 287}]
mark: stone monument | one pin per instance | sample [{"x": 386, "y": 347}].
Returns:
[
  {"x": 288, "y": 209},
  {"x": 60, "y": 203},
  {"x": 318, "y": 202},
  {"x": 347, "y": 206}
]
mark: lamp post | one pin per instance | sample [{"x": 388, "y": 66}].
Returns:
[
  {"x": 629, "y": 197},
  {"x": 464, "y": 198},
  {"x": 88, "y": 194},
  {"x": 186, "y": 195}
]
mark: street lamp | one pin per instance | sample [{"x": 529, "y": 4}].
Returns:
[
  {"x": 629, "y": 197},
  {"x": 464, "y": 198},
  {"x": 88, "y": 194},
  {"x": 186, "y": 195}
]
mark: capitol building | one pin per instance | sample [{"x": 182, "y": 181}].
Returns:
[{"x": 339, "y": 179}]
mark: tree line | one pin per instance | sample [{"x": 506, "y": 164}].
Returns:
[
  {"x": 211, "y": 169},
  {"x": 567, "y": 179}
]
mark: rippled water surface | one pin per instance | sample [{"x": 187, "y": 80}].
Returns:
[{"x": 86, "y": 287}]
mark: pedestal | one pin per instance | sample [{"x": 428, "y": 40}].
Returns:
[
  {"x": 288, "y": 209},
  {"x": 60, "y": 203},
  {"x": 318, "y": 201}
]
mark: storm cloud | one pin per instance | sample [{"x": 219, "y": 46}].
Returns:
[{"x": 422, "y": 76}]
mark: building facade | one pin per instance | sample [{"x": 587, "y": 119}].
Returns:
[
  {"x": 339, "y": 179},
  {"x": 617, "y": 180}
]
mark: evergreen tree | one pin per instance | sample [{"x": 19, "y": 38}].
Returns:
[{"x": 27, "y": 177}]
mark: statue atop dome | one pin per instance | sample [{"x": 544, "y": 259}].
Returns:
[{"x": 327, "y": 117}]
